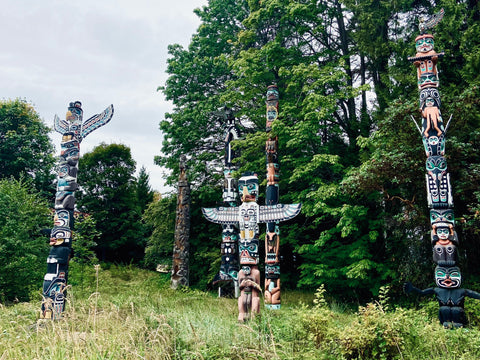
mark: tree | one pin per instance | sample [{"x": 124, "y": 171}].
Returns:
[
  {"x": 347, "y": 146},
  {"x": 197, "y": 79},
  {"x": 25, "y": 147},
  {"x": 160, "y": 216},
  {"x": 23, "y": 249},
  {"x": 107, "y": 193},
  {"x": 143, "y": 190}
]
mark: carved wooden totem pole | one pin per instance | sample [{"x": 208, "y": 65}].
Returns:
[
  {"x": 444, "y": 238},
  {"x": 73, "y": 130},
  {"x": 181, "y": 246},
  {"x": 247, "y": 216},
  {"x": 229, "y": 267},
  {"x": 272, "y": 236}
]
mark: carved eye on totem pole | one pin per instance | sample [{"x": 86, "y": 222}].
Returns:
[{"x": 448, "y": 277}]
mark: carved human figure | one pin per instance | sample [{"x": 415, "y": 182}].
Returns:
[
  {"x": 250, "y": 290},
  {"x": 272, "y": 291},
  {"x": 450, "y": 296}
]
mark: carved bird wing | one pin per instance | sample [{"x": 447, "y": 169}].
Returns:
[
  {"x": 431, "y": 21},
  {"x": 279, "y": 212},
  {"x": 96, "y": 121},
  {"x": 221, "y": 215},
  {"x": 59, "y": 125}
]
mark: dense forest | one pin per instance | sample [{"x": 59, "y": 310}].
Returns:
[{"x": 348, "y": 149}]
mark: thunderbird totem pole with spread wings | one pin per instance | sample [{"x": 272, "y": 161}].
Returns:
[
  {"x": 73, "y": 130},
  {"x": 247, "y": 218},
  {"x": 444, "y": 238}
]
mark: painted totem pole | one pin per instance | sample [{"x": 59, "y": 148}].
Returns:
[
  {"x": 73, "y": 130},
  {"x": 229, "y": 267},
  {"x": 272, "y": 236},
  {"x": 444, "y": 238},
  {"x": 181, "y": 246},
  {"x": 247, "y": 216}
]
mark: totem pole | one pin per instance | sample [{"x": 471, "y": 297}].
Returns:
[
  {"x": 73, "y": 130},
  {"x": 272, "y": 236},
  {"x": 247, "y": 216},
  {"x": 229, "y": 267},
  {"x": 444, "y": 238},
  {"x": 182, "y": 230}
]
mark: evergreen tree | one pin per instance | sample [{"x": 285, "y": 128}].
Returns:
[{"x": 108, "y": 194}]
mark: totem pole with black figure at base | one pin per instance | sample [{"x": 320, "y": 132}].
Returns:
[{"x": 444, "y": 239}]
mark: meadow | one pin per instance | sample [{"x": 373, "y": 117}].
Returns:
[{"x": 128, "y": 313}]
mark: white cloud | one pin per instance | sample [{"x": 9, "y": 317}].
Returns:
[{"x": 98, "y": 52}]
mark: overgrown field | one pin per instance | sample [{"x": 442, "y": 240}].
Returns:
[{"x": 127, "y": 313}]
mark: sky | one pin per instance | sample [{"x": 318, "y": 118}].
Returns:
[{"x": 100, "y": 53}]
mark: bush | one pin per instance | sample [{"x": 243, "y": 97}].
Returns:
[{"x": 23, "y": 250}]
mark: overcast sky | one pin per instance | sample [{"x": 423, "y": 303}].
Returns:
[{"x": 100, "y": 53}]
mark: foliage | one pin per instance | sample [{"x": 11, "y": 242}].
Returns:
[
  {"x": 108, "y": 194},
  {"x": 23, "y": 250},
  {"x": 85, "y": 235},
  {"x": 348, "y": 149},
  {"x": 25, "y": 147},
  {"x": 143, "y": 190},
  {"x": 160, "y": 216},
  {"x": 133, "y": 313}
]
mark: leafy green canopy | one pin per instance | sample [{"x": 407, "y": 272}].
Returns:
[
  {"x": 25, "y": 147},
  {"x": 108, "y": 192},
  {"x": 23, "y": 250},
  {"x": 347, "y": 148}
]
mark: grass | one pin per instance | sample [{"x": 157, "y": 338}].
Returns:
[{"x": 128, "y": 313}]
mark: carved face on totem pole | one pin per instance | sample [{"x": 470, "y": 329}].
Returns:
[
  {"x": 248, "y": 187},
  {"x": 428, "y": 79},
  {"x": 448, "y": 277},
  {"x": 60, "y": 235},
  {"x": 424, "y": 44},
  {"x": 248, "y": 252},
  {"x": 438, "y": 182},
  {"x": 272, "y": 271},
  {"x": 445, "y": 255},
  {"x": 272, "y": 247},
  {"x": 70, "y": 152},
  {"x": 63, "y": 218},
  {"x": 75, "y": 117},
  {"x": 272, "y": 106}
]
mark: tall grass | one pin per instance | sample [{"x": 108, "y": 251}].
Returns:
[{"x": 127, "y": 313}]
